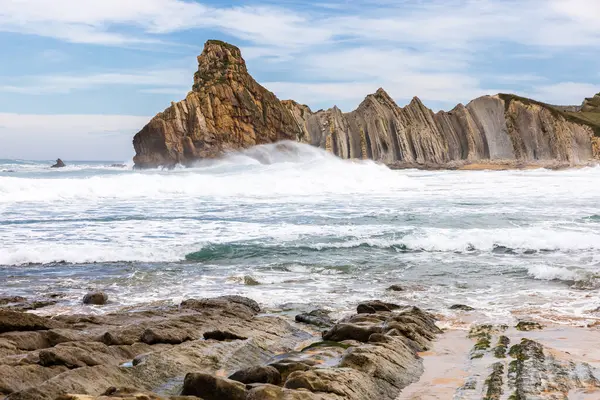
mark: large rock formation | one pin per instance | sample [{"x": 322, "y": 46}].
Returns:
[{"x": 228, "y": 110}]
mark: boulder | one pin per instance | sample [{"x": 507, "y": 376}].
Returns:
[
  {"x": 209, "y": 387},
  {"x": 461, "y": 307},
  {"x": 259, "y": 374},
  {"x": 59, "y": 164},
  {"x": 250, "y": 281},
  {"x": 371, "y": 307},
  {"x": 95, "y": 298},
  {"x": 318, "y": 318},
  {"x": 346, "y": 331},
  {"x": 395, "y": 288}
]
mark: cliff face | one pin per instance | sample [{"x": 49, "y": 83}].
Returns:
[
  {"x": 228, "y": 110},
  {"x": 591, "y": 104},
  {"x": 501, "y": 127}
]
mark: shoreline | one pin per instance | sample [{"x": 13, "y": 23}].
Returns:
[
  {"x": 453, "y": 367},
  {"x": 495, "y": 165},
  {"x": 382, "y": 350}
]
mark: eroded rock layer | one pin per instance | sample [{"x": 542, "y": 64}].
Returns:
[
  {"x": 156, "y": 352},
  {"x": 228, "y": 110}
]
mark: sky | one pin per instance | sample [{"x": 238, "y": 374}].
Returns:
[{"x": 78, "y": 78}]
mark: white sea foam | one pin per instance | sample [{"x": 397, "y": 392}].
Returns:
[
  {"x": 44, "y": 253},
  {"x": 530, "y": 238},
  {"x": 504, "y": 240},
  {"x": 266, "y": 171},
  {"x": 549, "y": 273},
  {"x": 311, "y": 227}
]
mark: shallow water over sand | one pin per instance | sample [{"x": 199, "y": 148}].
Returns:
[{"x": 311, "y": 229}]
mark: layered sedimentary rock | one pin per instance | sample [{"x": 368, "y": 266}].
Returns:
[
  {"x": 591, "y": 104},
  {"x": 228, "y": 110},
  {"x": 161, "y": 352}
]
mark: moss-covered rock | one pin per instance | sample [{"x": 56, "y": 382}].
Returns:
[{"x": 528, "y": 326}]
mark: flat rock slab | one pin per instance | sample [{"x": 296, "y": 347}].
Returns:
[
  {"x": 190, "y": 349},
  {"x": 11, "y": 321}
]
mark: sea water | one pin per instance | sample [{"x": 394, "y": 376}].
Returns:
[{"x": 312, "y": 229}]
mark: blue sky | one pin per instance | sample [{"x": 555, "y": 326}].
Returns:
[{"x": 79, "y": 77}]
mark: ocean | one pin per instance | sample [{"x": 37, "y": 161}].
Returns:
[{"x": 294, "y": 227}]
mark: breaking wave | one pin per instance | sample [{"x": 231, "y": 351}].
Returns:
[
  {"x": 288, "y": 169},
  {"x": 577, "y": 278},
  {"x": 549, "y": 273},
  {"x": 291, "y": 241}
]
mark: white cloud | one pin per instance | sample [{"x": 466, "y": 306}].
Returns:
[
  {"x": 425, "y": 48},
  {"x": 435, "y": 23},
  {"x": 97, "y": 22},
  {"x": 174, "y": 80},
  {"x": 74, "y": 137},
  {"x": 564, "y": 93}
]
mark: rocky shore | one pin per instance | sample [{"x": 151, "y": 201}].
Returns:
[
  {"x": 219, "y": 348},
  {"x": 228, "y": 348}
]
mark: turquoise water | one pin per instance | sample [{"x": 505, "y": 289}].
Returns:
[{"x": 312, "y": 229}]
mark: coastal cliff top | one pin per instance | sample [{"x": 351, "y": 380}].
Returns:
[
  {"x": 219, "y": 61},
  {"x": 589, "y": 114}
]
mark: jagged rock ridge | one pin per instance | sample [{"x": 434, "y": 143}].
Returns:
[{"x": 227, "y": 110}]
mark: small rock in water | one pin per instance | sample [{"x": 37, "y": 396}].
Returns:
[
  {"x": 318, "y": 318},
  {"x": 118, "y": 166},
  {"x": 209, "y": 387},
  {"x": 59, "y": 164},
  {"x": 498, "y": 249},
  {"x": 250, "y": 281},
  {"x": 461, "y": 307},
  {"x": 95, "y": 298},
  {"x": 395, "y": 288},
  {"x": 257, "y": 374}
]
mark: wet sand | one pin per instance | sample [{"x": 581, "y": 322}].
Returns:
[
  {"x": 451, "y": 373},
  {"x": 446, "y": 368},
  {"x": 492, "y": 165}
]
